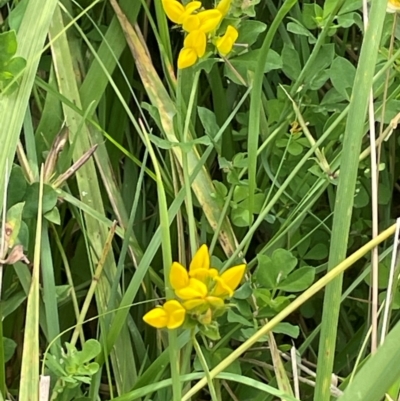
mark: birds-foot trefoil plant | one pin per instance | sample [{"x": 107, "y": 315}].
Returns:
[
  {"x": 203, "y": 28},
  {"x": 200, "y": 294}
]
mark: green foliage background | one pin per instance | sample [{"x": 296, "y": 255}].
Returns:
[{"x": 113, "y": 164}]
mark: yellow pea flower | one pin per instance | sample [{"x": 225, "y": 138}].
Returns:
[
  {"x": 393, "y": 6},
  {"x": 225, "y": 43},
  {"x": 228, "y": 281},
  {"x": 194, "y": 47},
  {"x": 224, "y": 6},
  {"x": 200, "y": 266},
  {"x": 195, "y": 289},
  {"x": 209, "y": 301},
  {"x": 209, "y": 20},
  {"x": 176, "y": 12},
  {"x": 178, "y": 277},
  {"x": 201, "y": 259},
  {"x": 205, "y": 21},
  {"x": 186, "y": 58},
  {"x": 171, "y": 315}
]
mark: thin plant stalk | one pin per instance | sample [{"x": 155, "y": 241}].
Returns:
[
  {"x": 185, "y": 167},
  {"x": 255, "y": 104},
  {"x": 390, "y": 287},
  {"x": 167, "y": 260},
  {"x": 203, "y": 363},
  {"x": 374, "y": 206}
]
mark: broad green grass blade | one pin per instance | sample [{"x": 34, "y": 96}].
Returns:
[
  {"x": 49, "y": 291},
  {"x": 345, "y": 195},
  {"x": 30, "y": 37},
  {"x": 379, "y": 373},
  {"x": 29, "y": 383},
  {"x": 89, "y": 188}
]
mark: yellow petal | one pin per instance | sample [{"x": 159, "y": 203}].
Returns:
[
  {"x": 215, "y": 301},
  {"x": 157, "y": 318},
  {"x": 233, "y": 276},
  {"x": 200, "y": 274},
  {"x": 221, "y": 289},
  {"x": 226, "y": 42},
  {"x": 176, "y": 314},
  {"x": 186, "y": 58},
  {"x": 393, "y": 6},
  {"x": 174, "y": 10},
  {"x": 197, "y": 41},
  {"x": 192, "y": 6},
  {"x": 178, "y": 276},
  {"x": 193, "y": 303},
  {"x": 224, "y": 6},
  {"x": 195, "y": 289},
  {"x": 191, "y": 23},
  {"x": 213, "y": 272},
  {"x": 209, "y": 20},
  {"x": 201, "y": 259}
]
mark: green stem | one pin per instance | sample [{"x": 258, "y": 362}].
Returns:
[
  {"x": 203, "y": 363},
  {"x": 185, "y": 167},
  {"x": 255, "y": 103},
  {"x": 167, "y": 261}
]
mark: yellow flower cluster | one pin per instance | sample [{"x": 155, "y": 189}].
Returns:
[
  {"x": 200, "y": 26},
  {"x": 201, "y": 291},
  {"x": 393, "y": 6}
]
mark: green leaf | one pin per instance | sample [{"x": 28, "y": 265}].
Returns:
[
  {"x": 16, "y": 187},
  {"x": 246, "y": 63},
  {"x": 16, "y": 14},
  {"x": 310, "y": 14},
  {"x": 14, "y": 218},
  {"x": 263, "y": 296},
  {"x": 324, "y": 60},
  {"x": 220, "y": 354},
  {"x": 235, "y": 318},
  {"x": 249, "y": 31},
  {"x": 240, "y": 217},
  {"x": 10, "y": 66},
  {"x": 287, "y": 329},
  {"x": 32, "y": 199},
  {"x": 53, "y": 216},
  {"x": 294, "y": 148},
  {"x": 90, "y": 350},
  {"x": 209, "y": 121},
  {"x": 342, "y": 74},
  {"x": 9, "y": 348},
  {"x": 298, "y": 29},
  {"x": 291, "y": 62},
  {"x": 317, "y": 252},
  {"x": 244, "y": 291},
  {"x": 299, "y": 280},
  {"x": 211, "y": 331},
  {"x": 272, "y": 271},
  {"x": 350, "y": 5},
  {"x": 8, "y": 47}
]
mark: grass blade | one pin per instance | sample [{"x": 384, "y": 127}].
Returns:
[
  {"x": 345, "y": 195},
  {"x": 379, "y": 373}
]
